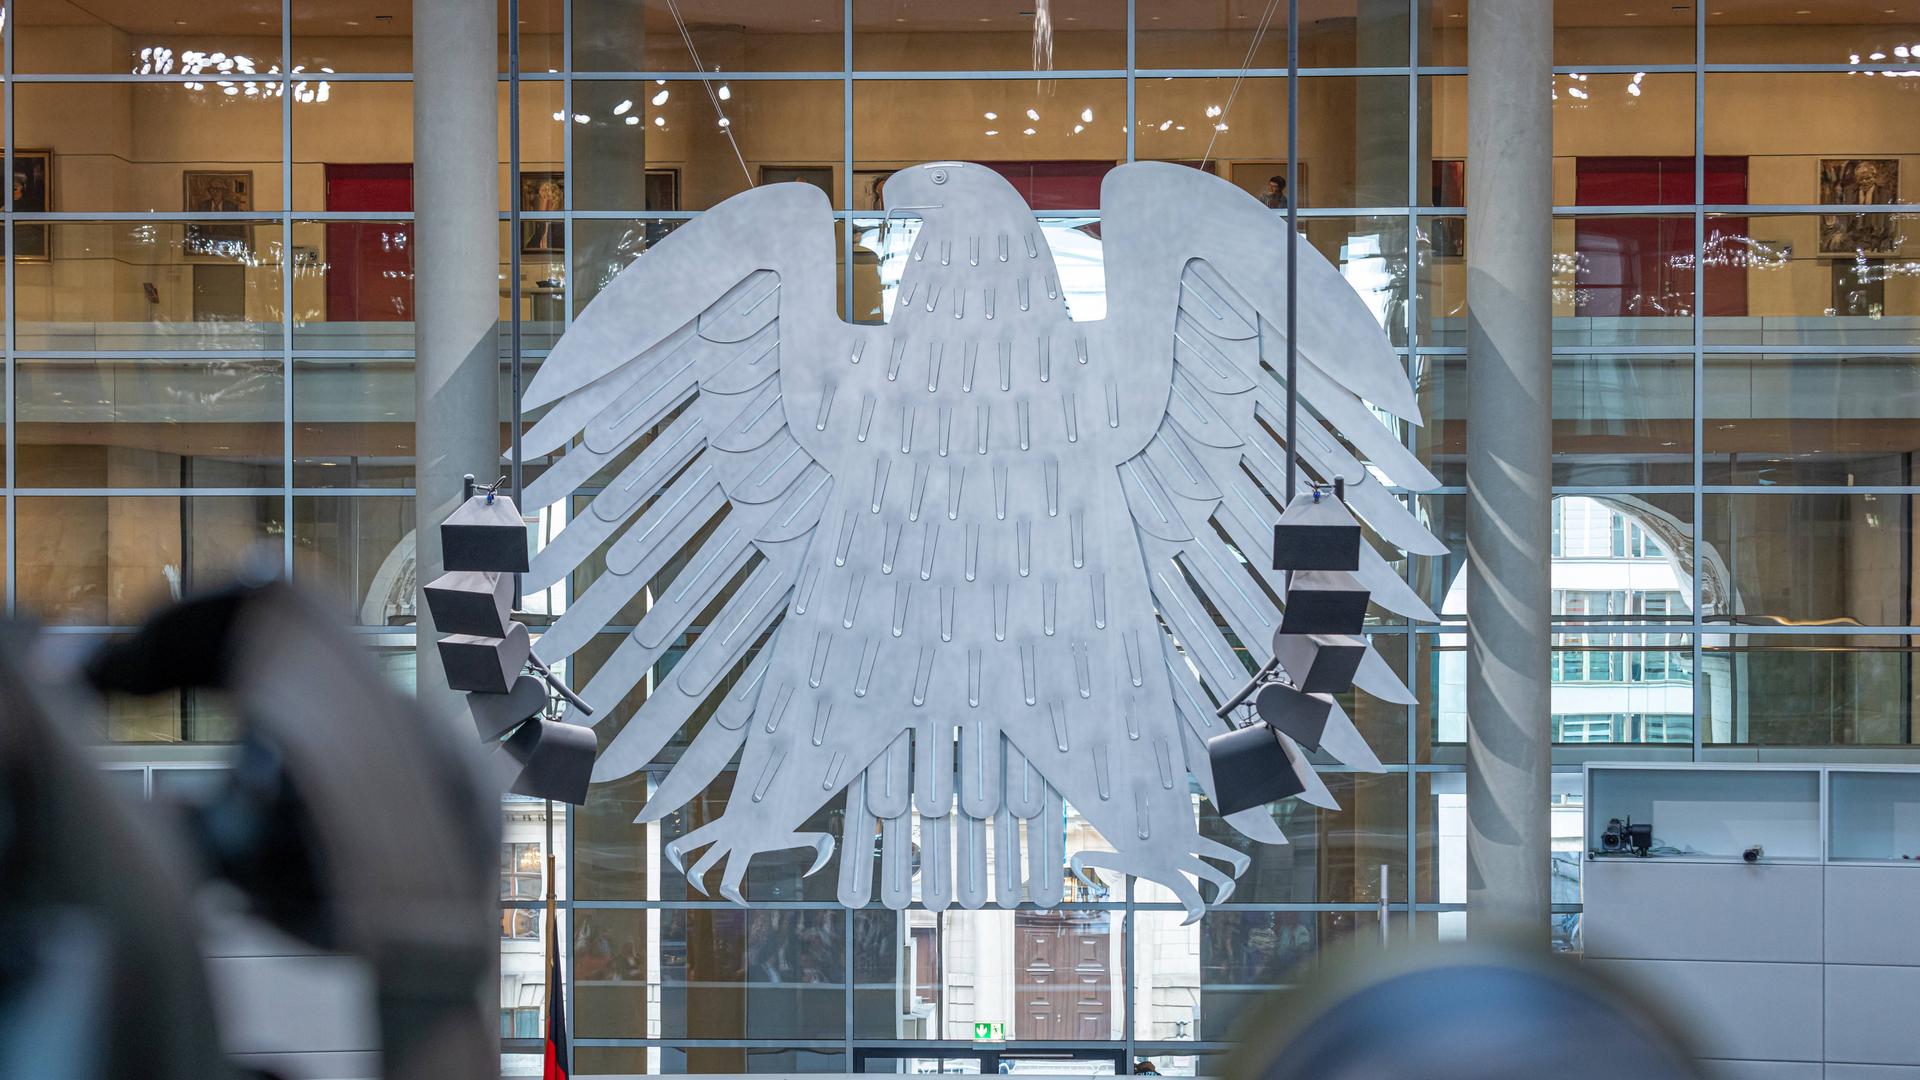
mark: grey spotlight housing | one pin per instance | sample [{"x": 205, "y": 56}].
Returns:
[
  {"x": 1316, "y": 534},
  {"x": 496, "y": 714},
  {"x": 473, "y": 602},
  {"x": 1324, "y": 602},
  {"x": 485, "y": 664},
  {"x": 485, "y": 533},
  {"x": 1303, "y": 717},
  {"x": 550, "y": 759},
  {"x": 1320, "y": 663},
  {"x": 1252, "y": 766}
]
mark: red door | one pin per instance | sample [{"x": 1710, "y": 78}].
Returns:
[
  {"x": 1643, "y": 266},
  {"x": 369, "y": 263}
]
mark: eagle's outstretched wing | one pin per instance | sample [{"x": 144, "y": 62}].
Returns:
[
  {"x": 688, "y": 343},
  {"x": 1196, "y": 271}
]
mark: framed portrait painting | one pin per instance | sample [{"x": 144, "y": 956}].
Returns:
[
  {"x": 32, "y": 194},
  {"x": 209, "y": 191},
  {"x": 1859, "y": 182},
  {"x": 543, "y": 193}
]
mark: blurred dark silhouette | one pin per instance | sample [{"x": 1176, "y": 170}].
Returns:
[{"x": 1459, "y": 1013}]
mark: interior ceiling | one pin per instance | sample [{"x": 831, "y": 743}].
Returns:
[{"x": 172, "y": 18}]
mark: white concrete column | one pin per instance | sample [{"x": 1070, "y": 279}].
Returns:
[
  {"x": 456, "y": 282},
  {"x": 456, "y": 431},
  {"x": 1509, "y": 442}
]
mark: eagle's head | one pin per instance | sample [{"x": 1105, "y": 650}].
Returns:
[{"x": 928, "y": 189}]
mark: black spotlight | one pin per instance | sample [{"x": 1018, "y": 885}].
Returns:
[
  {"x": 486, "y": 664},
  {"x": 485, "y": 533},
  {"x": 550, "y": 759},
  {"x": 487, "y": 654},
  {"x": 1324, "y": 602},
  {"x": 1320, "y": 663},
  {"x": 1252, "y": 767},
  {"x": 471, "y": 602},
  {"x": 1302, "y": 716},
  {"x": 496, "y": 714},
  {"x": 1316, "y": 533}
]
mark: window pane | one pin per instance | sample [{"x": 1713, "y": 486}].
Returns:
[
  {"x": 1621, "y": 32},
  {"x": 725, "y": 973},
  {"x": 1808, "y": 690},
  {"x": 1204, "y": 979},
  {"x": 353, "y": 423},
  {"x": 1371, "y": 253},
  {"x": 110, "y": 560},
  {"x": 1819, "y": 419},
  {"x": 1443, "y": 39},
  {"x": 148, "y": 423},
  {"x": 897, "y": 124},
  {"x": 630, "y": 153},
  {"x": 1810, "y": 137},
  {"x": 236, "y": 37},
  {"x": 1809, "y": 558},
  {"x": 1341, "y": 33},
  {"x": 1441, "y": 836},
  {"x": 1353, "y": 134},
  {"x": 1625, "y": 419},
  {"x": 353, "y": 146},
  {"x": 1057, "y": 975},
  {"x": 1331, "y": 856},
  {"x": 1812, "y": 279},
  {"x": 703, "y": 1060},
  {"x": 1830, "y": 32},
  {"x": 642, "y": 35},
  {"x": 353, "y": 285},
  {"x": 1623, "y": 281},
  {"x": 357, "y": 552},
  {"x": 1627, "y": 140},
  {"x": 147, "y": 285},
  {"x": 902, "y": 35},
  {"x": 336, "y": 37},
  {"x": 158, "y": 147}
]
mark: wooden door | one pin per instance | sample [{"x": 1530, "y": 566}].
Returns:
[{"x": 1064, "y": 976}]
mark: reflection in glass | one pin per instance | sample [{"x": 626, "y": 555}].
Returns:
[
  {"x": 147, "y": 285},
  {"x": 238, "y": 37},
  {"x": 1353, "y": 134},
  {"x": 1053, "y": 976},
  {"x": 1840, "y": 559},
  {"x": 158, "y": 147},
  {"x": 1813, "y": 279},
  {"x": 1342, "y": 33},
  {"x": 1201, "y": 980},
  {"x": 357, "y": 553},
  {"x": 99, "y": 560},
  {"x": 715, "y": 973},
  {"x": 1440, "y": 836},
  {"x": 147, "y": 423},
  {"x": 1617, "y": 419},
  {"x": 353, "y": 282},
  {"x": 902, "y": 35},
  {"x": 1022, "y": 129},
  {"x": 1623, "y": 280},
  {"x": 643, "y": 35},
  {"x": 1845, "y": 419},
  {"x": 1802, "y": 690},
  {"x": 1331, "y": 856},
  {"x": 352, "y": 423},
  {"x": 665, "y": 145}
]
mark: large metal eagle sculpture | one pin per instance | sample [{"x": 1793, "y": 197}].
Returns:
[{"x": 983, "y": 545}]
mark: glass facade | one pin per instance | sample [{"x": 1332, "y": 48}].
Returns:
[{"x": 209, "y": 293}]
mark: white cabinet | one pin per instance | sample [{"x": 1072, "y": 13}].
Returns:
[{"x": 1803, "y": 962}]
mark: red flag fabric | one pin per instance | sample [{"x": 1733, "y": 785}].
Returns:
[{"x": 556, "y": 1065}]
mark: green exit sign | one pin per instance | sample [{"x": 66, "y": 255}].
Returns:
[{"x": 989, "y": 1032}]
